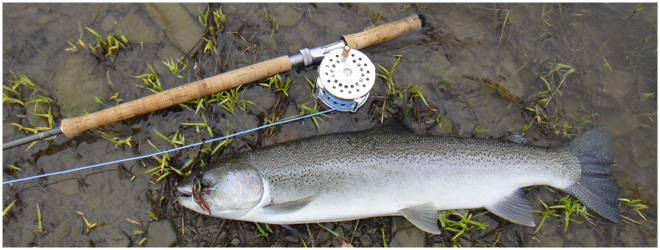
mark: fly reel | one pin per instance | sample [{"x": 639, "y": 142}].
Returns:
[{"x": 346, "y": 77}]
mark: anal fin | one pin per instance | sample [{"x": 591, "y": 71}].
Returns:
[
  {"x": 424, "y": 216},
  {"x": 289, "y": 206},
  {"x": 515, "y": 208}
]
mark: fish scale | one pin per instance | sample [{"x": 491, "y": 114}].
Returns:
[{"x": 379, "y": 172}]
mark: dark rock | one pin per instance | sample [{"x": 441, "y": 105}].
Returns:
[
  {"x": 366, "y": 241},
  {"x": 586, "y": 238},
  {"x": 61, "y": 231},
  {"x": 161, "y": 233},
  {"x": 409, "y": 237},
  {"x": 617, "y": 83},
  {"x": 93, "y": 202},
  {"x": 136, "y": 30},
  {"x": 118, "y": 239},
  {"x": 235, "y": 242},
  {"x": 340, "y": 232},
  {"x": 346, "y": 225},
  {"x": 325, "y": 237},
  {"x": 292, "y": 239},
  {"x": 77, "y": 229},
  {"x": 620, "y": 123},
  {"x": 286, "y": 16},
  {"x": 28, "y": 235},
  {"x": 485, "y": 219},
  {"x": 182, "y": 29},
  {"x": 552, "y": 241},
  {"x": 66, "y": 187}
]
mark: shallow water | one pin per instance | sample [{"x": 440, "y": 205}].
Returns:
[{"x": 478, "y": 66}]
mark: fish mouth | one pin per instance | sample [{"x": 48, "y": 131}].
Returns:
[
  {"x": 186, "y": 191},
  {"x": 198, "y": 204},
  {"x": 186, "y": 198}
]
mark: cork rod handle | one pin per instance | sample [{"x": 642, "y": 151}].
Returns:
[
  {"x": 174, "y": 96},
  {"x": 383, "y": 33}
]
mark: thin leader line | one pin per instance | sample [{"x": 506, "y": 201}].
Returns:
[{"x": 170, "y": 150}]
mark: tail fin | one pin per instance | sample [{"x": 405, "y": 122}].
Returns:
[{"x": 596, "y": 187}]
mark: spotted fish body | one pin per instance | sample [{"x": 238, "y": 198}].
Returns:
[{"x": 378, "y": 172}]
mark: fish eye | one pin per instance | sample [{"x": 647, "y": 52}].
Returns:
[{"x": 204, "y": 182}]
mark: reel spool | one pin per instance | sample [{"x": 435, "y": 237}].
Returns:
[{"x": 346, "y": 77}]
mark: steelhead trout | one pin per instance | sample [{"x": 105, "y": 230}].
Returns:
[{"x": 378, "y": 172}]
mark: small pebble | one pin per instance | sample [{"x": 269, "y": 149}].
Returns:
[
  {"x": 235, "y": 242},
  {"x": 329, "y": 226},
  {"x": 222, "y": 236},
  {"x": 335, "y": 243},
  {"x": 325, "y": 237},
  {"x": 347, "y": 225},
  {"x": 340, "y": 232},
  {"x": 161, "y": 233},
  {"x": 365, "y": 240},
  {"x": 292, "y": 239},
  {"x": 586, "y": 238},
  {"x": 552, "y": 241}
]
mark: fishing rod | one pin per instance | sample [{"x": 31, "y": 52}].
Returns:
[{"x": 345, "y": 77}]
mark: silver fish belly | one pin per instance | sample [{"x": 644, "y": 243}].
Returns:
[{"x": 358, "y": 175}]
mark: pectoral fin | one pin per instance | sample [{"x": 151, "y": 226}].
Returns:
[
  {"x": 289, "y": 206},
  {"x": 424, "y": 216},
  {"x": 515, "y": 208}
]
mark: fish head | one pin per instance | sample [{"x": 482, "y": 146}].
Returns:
[{"x": 226, "y": 190}]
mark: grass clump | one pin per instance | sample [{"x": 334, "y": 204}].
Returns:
[
  {"x": 229, "y": 100},
  {"x": 636, "y": 205},
  {"x": 89, "y": 226},
  {"x": 566, "y": 207},
  {"x": 464, "y": 223},
  {"x": 208, "y": 149},
  {"x": 392, "y": 87},
  {"x": 164, "y": 169},
  {"x": 151, "y": 80},
  {"x": 275, "y": 119},
  {"x": 213, "y": 25},
  {"x": 278, "y": 84},
  {"x": 40, "y": 227},
  {"x": 539, "y": 101},
  {"x": 263, "y": 233},
  {"x": 271, "y": 22},
  {"x": 116, "y": 140},
  {"x": 204, "y": 125},
  {"x": 104, "y": 47},
  {"x": 13, "y": 95},
  {"x": 407, "y": 94},
  {"x": 313, "y": 110},
  {"x": 8, "y": 207},
  {"x": 174, "y": 67},
  {"x": 546, "y": 214}
]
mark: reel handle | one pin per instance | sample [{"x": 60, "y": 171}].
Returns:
[
  {"x": 174, "y": 96},
  {"x": 383, "y": 32}
]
